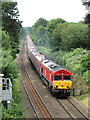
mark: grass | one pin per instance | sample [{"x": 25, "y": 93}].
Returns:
[{"x": 84, "y": 100}]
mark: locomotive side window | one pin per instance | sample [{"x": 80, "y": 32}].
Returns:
[
  {"x": 45, "y": 72},
  {"x": 57, "y": 77},
  {"x": 42, "y": 70},
  {"x": 66, "y": 77},
  {"x": 50, "y": 76}
]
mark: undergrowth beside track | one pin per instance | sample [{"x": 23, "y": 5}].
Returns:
[
  {"x": 75, "y": 61},
  {"x": 16, "y": 109}
]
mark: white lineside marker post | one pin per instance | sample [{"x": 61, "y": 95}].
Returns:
[{"x": 8, "y": 104}]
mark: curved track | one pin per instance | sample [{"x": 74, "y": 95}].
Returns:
[{"x": 38, "y": 104}]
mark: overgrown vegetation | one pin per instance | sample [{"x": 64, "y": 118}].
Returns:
[
  {"x": 58, "y": 34},
  {"x": 87, "y": 18},
  {"x": 16, "y": 110},
  {"x": 76, "y": 61},
  {"x": 11, "y": 24},
  {"x": 11, "y": 27},
  {"x": 66, "y": 44}
]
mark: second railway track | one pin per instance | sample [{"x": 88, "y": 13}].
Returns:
[
  {"x": 38, "y": 104},
  {"x": 72, "y": 109}
]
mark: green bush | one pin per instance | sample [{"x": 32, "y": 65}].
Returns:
[
  {"x": 15, "y": 111},
  {"x": 9, "y": 68},
  {"x": 74, "y": 36},
  {"x": 86, "y": 77},
  {"x": 76, "y": 61}
]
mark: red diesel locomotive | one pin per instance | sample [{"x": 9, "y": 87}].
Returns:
[{"x": 56, "y": 78}]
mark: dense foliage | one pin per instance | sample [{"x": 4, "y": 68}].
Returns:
[
  {"x": 66, "y": 44},
  {"x": 10, "y": 38},
  {"x": 11, "y": 27},
  {"x": 11, "y": 24},
  {"x": 76, "y": 61},
  {"x": 58, "y": 34},
  {"x": 68, "y": 36},
  {"x": 87, "y": 18},
  {"x": 38, "y": 32},
  {"x": 41, "y": 31}
]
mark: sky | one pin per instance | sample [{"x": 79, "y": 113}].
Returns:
[{"x": 32, "y": 10}]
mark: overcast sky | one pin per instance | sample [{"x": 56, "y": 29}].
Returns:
[{"x": 69, "y": 10}]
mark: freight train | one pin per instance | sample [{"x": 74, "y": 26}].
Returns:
[{"x": 57, "y": 79}]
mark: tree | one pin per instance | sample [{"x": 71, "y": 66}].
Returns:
[
  {"x": 6, "y": 45},
  {"x": 55, "y": 43},
  {"x": 11, "y": 23},
  {"x": 9, "y": 68},
  {"x": 41, "y": 30},
  {"x": 52, "y": 24},
  {"x": 74, "y": 36},
  {"x": 10, "y": 19},
  {"x": 40, "y": 22},
  {"x": 38, "y": 32},
  {"x": 69, "y": 35},
  {"x": 87, "y": 4}
]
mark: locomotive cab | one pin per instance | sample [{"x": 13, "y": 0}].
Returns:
[{"x": 62, "y": 81}]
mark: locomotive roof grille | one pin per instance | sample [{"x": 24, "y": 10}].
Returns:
[
  {"x": 52, "y": 66},
  {"x": 47, "y": 57},
  {"x": 35, "y": 53},
  {"x": 46, "y": 61},
  {"x": 34, "y": 50}
]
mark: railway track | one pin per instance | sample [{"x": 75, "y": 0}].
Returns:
[
  {"x": 73, "y": 110},
  {"x": 40, "y": 109}
]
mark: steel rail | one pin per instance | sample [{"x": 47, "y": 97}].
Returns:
[
  {"x": 78, "y": 109},
  {"x": 38, "y": 100},
  {"x": 26, "y": 77},
  {"x": 36, "y": 114},
  {"x": 66, "y": 110},
  {"x": 35, "y": 94},
  {"x": 71, "y": 115}
]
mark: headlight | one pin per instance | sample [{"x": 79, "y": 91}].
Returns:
[
  {"x": 55, "y": 86},
  {"x": 68, "y": 86}
]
